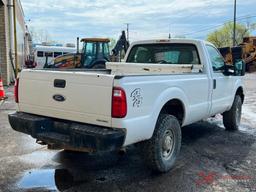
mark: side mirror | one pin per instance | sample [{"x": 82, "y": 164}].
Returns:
[{"x": 237, "y": 69}]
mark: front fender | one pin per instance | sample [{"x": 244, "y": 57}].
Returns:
[{"x": 239, "y": 83}]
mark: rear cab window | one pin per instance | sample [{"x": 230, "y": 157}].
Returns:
[{"x": 171, "y": 53}]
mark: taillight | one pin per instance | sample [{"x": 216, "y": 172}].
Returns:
[
  {"x": 16, "y": 90},
  {"x": 119, "y": 105}
]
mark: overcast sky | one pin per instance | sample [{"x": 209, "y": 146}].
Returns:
[{"x": 66, "y": 19}]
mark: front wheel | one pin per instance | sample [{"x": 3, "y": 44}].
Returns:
[
  {"x": 161, "y": 151},
  {"x": 232, "y": 118}
]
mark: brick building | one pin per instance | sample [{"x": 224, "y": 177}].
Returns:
[{"x": 7, "y": 64}]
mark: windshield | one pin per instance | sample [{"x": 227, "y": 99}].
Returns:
[
  {"x": 164, "y": 54},
  {"x": 90, "y": 53}
]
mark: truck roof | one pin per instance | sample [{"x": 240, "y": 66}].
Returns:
[
  {"x": 193, "y": 41},
  {"x": 53, "y": 48}
]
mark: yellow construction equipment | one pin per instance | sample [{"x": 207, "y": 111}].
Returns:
[
  {"x": 95, "y": 53},
  {"x": 246, "y": 51}
]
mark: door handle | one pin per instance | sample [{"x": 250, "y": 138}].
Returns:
[
  {"x": 214, "y": 83},
  {"x": 59, "y": 83}
]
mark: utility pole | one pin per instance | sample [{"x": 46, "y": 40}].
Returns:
[
  {"x": 234, "y": 30},
  {"x": 127, "y": 30}
]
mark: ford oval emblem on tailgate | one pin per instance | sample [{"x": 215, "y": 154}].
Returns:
[{"x": 59, "y": 98}]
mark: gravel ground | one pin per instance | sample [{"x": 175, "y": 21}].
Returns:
[{"x": 211, "y": 159}]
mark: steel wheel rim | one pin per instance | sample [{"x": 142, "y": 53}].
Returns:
[
  {"x": 238, "y": 114},
  {"x": 168, "y": 144}
]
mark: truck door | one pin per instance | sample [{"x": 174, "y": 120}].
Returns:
[{"x": 222, "y": 86}]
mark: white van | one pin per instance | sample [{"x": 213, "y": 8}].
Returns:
[{"x": 40, "y": 52}]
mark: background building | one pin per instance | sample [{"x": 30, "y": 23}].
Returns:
[{"x": 7, "y": 56}]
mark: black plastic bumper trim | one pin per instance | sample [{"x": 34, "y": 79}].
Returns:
[{"x": 68, "y": 133}]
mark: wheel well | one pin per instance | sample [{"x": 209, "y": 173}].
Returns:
[
  {"x": 240, "y": 92},
  {"x": 176, "y": 108}
]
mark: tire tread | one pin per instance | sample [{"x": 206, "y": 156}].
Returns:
[
  {"x": 150, "y": 147},
  {"x": 229, "y": 117}
]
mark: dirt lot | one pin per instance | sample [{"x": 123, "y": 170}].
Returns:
[{"x": 211, "y": 159}]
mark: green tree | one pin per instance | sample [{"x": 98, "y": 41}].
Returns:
[
  {"x": 223, "y": 37},
  {"x": 39, "y": 35},
  {"x": 112, "y": 44}
]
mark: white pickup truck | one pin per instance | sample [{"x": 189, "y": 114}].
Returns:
[{"x": 162, "y": 86}]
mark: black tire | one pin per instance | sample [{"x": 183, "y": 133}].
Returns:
[
  {"x": 155, "y": 151},
  {"x": 232, "y": 118}
]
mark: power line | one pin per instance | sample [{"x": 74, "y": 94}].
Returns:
[{"x": 219, "y": 25}]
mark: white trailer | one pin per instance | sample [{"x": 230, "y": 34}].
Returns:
[{"x": 40, "y": 53}]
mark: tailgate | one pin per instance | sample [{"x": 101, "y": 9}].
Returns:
[{"x": 86, "y": 97}]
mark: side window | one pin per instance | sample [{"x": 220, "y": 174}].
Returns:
[
  {"x": 40, "y": 54},
  {"x": 90, "y": 49},
  {"x": 106, "y": 48},
  {"x": 56, "y": 54},
  {"x": 48, "y": 54},
  {"x": 216, "y": 59}
]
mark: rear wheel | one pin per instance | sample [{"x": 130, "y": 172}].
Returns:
[
  {"x": 161, "y": 151},
  {"x": 232, "y": 118}
]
